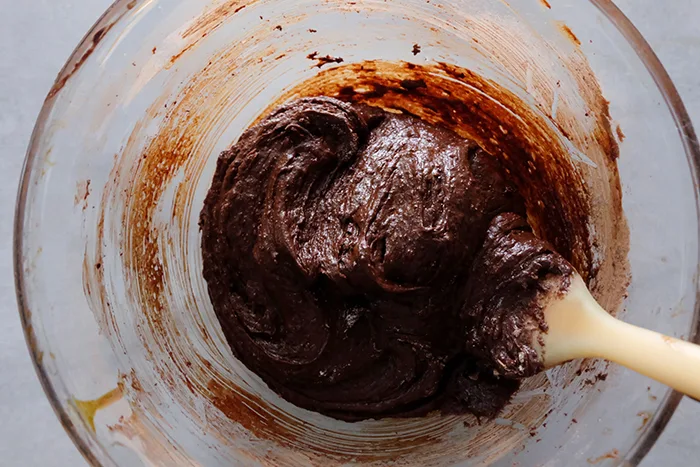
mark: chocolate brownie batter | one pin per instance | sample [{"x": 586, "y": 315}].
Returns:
[{"x": 367, "y": 264}]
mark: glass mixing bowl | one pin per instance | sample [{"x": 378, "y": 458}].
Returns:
[{"x": 133, "y": 359}]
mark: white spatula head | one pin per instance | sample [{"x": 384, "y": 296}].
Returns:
[{"x": 513, "y": 279}]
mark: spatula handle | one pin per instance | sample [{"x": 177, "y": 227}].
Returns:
[
  {"x": 580, "y": 328},
  {"x": 670, "y": 361}
]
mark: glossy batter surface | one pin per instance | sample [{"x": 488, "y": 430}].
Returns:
[{"x": 367, "y": 264}]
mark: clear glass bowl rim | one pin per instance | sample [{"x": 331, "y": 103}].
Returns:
[{"x": 115, "y": 13}]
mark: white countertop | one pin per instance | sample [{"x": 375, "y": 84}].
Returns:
[{"x": 36, "y": 38}]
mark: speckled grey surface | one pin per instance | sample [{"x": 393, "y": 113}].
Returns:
[{"x": 36, "y": 37}]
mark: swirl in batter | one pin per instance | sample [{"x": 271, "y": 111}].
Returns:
[{"x": 367, "y": 264}]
